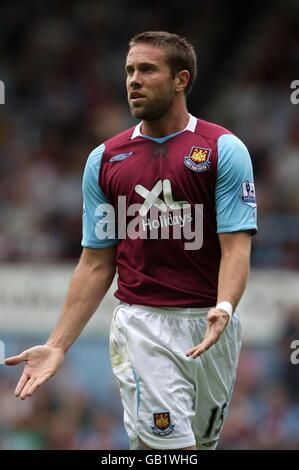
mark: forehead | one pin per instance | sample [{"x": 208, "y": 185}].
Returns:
[{"x": 141, "y": 53}]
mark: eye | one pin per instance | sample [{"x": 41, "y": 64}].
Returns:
[
  {"x": 147, "y": 68},
  {"x": 129, "y": 70}
]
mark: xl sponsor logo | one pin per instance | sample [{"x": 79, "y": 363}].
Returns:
[
  {"x": 158, "y": 217},
  {"x": 151, "y": 197}
]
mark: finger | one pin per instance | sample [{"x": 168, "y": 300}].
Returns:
[
  {"x": 22, "y": 382},
  {"x": 38, "y": 382},
  {"x": 14, "y": 360},
  {"x": 197, "y": 351},
  {"x": 202, "y": 347},
  {"x": 27, "y": 386}
]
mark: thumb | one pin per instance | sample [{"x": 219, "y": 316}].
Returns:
[{"x": 14, "y": 360}]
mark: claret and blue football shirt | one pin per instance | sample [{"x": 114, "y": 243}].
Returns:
[{"x": 140, "y": 193}]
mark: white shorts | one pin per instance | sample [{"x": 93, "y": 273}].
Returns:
[{"x": 172, "y": 401}]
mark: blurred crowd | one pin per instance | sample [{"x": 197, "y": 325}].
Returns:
[
  {"x": 68, "y": 413},
  {"x": 63, "y": 67},
  {"x": 57, "y": 418},
  {"x": 264, "y": 412},
  {"x": 79, "y": 409}
]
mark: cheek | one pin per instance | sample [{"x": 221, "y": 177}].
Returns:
[
  {"x": 161, "y": 87},
  {"x": 167, "y": 84},
  {"x": 166, "y": 90}
]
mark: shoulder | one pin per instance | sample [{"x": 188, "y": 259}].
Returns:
[
  {"x": 93, "y": 162},
  {"x": 232, "y": 150},
  {"x": 228, "y": 145},
  {"x": 97, "y": 153},
  {"x": 210, "y": 130},
  {"x": 119, "y": 139}
]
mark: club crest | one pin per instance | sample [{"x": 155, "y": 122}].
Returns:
[
  {"x": 198, "y": 159},
  {"x": 162, "y": 425}
]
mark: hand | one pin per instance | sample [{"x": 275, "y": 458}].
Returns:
[
  {"x": 42, "y": 362},
  {"x": 217, "y": 321}
]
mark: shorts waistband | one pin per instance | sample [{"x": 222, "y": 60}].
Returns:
[{"x": 172, "y": 311}]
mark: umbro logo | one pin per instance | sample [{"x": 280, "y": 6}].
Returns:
[{"x": 120, "y": 156}]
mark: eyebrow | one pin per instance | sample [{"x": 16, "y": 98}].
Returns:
[{"x": 142, "y": 64}]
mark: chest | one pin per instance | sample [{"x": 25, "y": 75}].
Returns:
[{"x": 180, "y": 168}]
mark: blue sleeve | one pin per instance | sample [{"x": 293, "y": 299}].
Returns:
[
  {"x": 235, "y": 194},
  {"x": 98, "y": 215}
]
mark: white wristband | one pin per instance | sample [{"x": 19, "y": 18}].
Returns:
[{"x": 227, "y": 307}]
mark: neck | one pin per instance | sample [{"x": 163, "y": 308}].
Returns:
[{"x": 174, "y": 121}]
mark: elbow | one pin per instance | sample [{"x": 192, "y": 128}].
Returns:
[
  {"x": 236, "y": 245},
  {"x": 100, "y": 275},
  {"x": 241, "y": 256},
  {"x": 104, "y": 271},
  {"x": 109, "y": 275}
]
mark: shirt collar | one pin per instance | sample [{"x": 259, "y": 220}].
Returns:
[{"x": 190, "y": 127}]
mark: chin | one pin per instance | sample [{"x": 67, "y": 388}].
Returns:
[{"x": 138, "y": 113}]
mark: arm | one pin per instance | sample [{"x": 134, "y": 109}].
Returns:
[
  {"x": 89, "y": 284},
  {"x": 233, "y": 273},
  {"x": 234, "y": 266},
  {"x": 235, "y": 215}
]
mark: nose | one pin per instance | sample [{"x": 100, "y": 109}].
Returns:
[{"x": 134, "y": 80}]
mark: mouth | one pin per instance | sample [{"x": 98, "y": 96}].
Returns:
[{"x": 135, "y": 96}]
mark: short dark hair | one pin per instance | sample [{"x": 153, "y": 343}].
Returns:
[{"x": 179, "y": 52}]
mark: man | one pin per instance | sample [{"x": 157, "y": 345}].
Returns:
[{"x": 175, "y": 336}]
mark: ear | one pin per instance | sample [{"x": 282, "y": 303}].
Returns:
[{"x": 181, "y": 80}]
